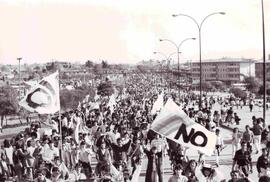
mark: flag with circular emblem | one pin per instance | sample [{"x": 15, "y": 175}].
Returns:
[{"x": 43, "y": 97}]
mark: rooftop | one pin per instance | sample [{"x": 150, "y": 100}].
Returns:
[{"x": 228, "y": 59}]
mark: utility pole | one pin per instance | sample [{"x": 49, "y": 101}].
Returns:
[{"x": 19, "y": 59}]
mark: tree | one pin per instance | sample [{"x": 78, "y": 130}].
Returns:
[
  {"x": 143, "y": 68},
  {"x": 237, "y": 92},
  {"x": 89, "y": 64},
  {"x": 97, "y": 69},
  {"x": 65, "y": 76},
  {"x": 219, "y": 85},
  {"x": 261, "y": 90},
  {"x": 3, "y": 68},
  {"x": 252, "y": 84},
  {"x": 119, "y": 67},
  {"x": 105, "y": 88},
  {"x": 69, "y": 99},
  {"x": 207, "y": 86},
  {"x": 8, "y": 101},
  {"x": 51, "y": 67},
  {"x": 27, "y": 68},
  {"x": 104, "y": 64},
  {"x": 37, "y": 68}
]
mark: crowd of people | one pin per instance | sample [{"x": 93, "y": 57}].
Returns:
[{"x": 102, "y": 142}]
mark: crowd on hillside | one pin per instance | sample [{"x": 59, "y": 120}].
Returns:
[{"x": 110, "y": 142}]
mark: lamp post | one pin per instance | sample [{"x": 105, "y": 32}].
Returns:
[
  {"x": 199, "y": 26},
  {"x": 167, "y": 58},
  {"x": 264, "y": 64},
  {"x": 19, "y": 59},
  {"x": 178, "y": 50},
  {"x": 84, "y": 72}
]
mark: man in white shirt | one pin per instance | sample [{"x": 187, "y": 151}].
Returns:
[
  {"x": 219, "y": 145},
  {"x": 84, "y": 156},
  {"x": 159, "y": 143},
  {"x": 48, "y": 152}
]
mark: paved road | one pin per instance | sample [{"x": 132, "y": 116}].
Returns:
[
  {"x": 226, "y": 155},
  {"x": 225, "y": 160}
]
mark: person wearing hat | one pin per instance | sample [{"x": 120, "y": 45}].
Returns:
[
  {"x": 210, "y": 174},
  {"x": 177, "y": 175}
]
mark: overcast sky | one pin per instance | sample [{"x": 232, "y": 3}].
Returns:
[{"x": 128, "y": 31}]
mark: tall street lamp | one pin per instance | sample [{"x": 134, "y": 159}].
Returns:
[
  {"x": 264, "y": 64},
  {"x": 167, "y": 58},
  {"x": 199, "y": 26},
  {"x": 178, "y": 50},
  {"x": 19, "y": 59}
]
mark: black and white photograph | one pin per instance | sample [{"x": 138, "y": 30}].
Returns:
[{"x": 135, "y": 91}]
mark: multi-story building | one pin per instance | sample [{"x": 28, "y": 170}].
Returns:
[
  {"x": 259, "y": 68},
  {"x": 229, "y": 70}
]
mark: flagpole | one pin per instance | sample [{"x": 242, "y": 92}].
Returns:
[
  {"x": 60, "y": 122},
  {"x": 162, "y": 155}
]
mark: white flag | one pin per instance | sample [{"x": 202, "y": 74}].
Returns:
[
  {"x": 158, "y": 104},
  {"x": 173, "y": 123},
  {"x": 136, "y": 174},
  {"x": 43, "y": 97},
  {"x": 112, "y": 103}
]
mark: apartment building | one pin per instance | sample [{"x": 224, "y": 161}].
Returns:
[
  {"x": 259, "y": 68},
  {"x": 229, "y": 70}
]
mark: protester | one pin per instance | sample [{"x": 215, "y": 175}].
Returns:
[
  {"x": 177, "y": 175},
  {"x": 117, "y": 136},
  {"x": 154, "y": 165},
  {"x": 236, "y": 138},
  {"x": 257, "y": 131},
  {"x": 190, "y": 171},
  {"x": 248, "y": 138},
  {"x": 207, "y": 173},
  {"x": 242, "y": 160},
  {"x": 219, "y": 145},
  {"x": 263, "y": 164}
]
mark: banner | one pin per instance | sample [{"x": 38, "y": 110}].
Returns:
[
  {"x": 43, "y": 97},
  {"x": 112, "y": 103},
  {"x": 136, "y": 174},
  {"x": 173, "y": 123},
  {"x": 97, "y": 97},
  {"x": 158, "y": 104}
]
